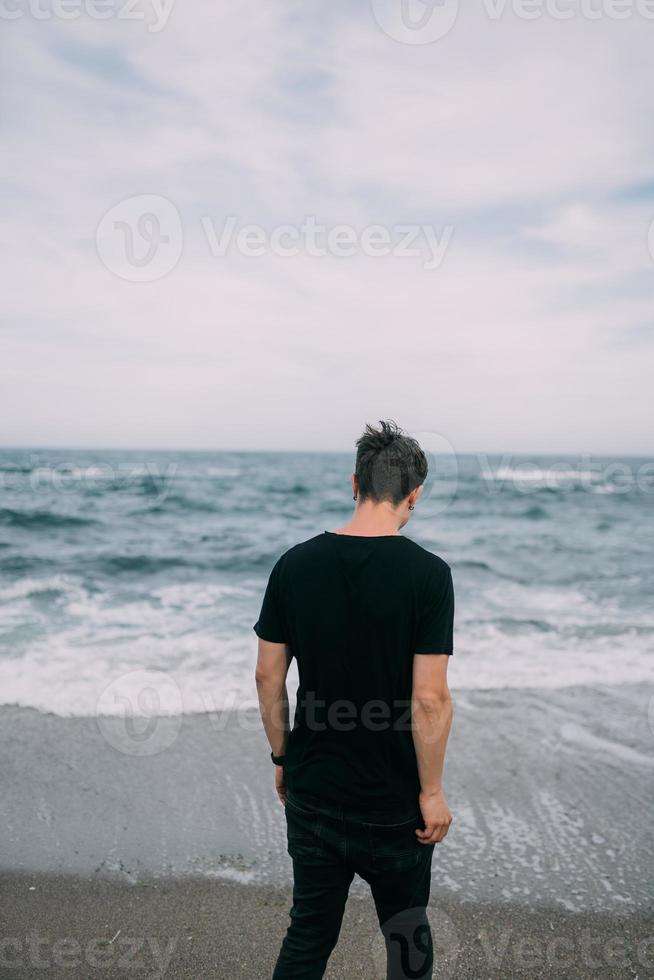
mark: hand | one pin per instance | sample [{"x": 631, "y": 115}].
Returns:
[
  {"x": 280, "y": 785},
  {"x": 436, "y": 815}
]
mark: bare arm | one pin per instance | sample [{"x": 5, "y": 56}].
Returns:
[
  {"x": 273, "y": 661},
  {"x": 431, "y": 719}
]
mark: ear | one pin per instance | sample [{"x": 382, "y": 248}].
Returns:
[
  {"x": 413, "y": 496},
  {"x": 355, "y": 484}
]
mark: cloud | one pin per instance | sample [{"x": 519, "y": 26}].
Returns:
[{"x": 526, "y": 136}]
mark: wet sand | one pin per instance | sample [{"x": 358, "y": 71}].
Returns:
[
  {"x": 175, "y": 832},
  {"x": 61, "y": 927}
]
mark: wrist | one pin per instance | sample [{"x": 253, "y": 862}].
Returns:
[{"x": 278, "y": 760}]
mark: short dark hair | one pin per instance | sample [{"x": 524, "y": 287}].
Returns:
[{"x": 389, "y": 464}]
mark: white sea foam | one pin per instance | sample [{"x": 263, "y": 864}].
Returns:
[
  {"x": 68, "y": 473},
  {"x": 222, "y": 471},
  {"x": 71, "y": 673},
  {"x": 91, "y": 656},
  {"x": 537, "y": 601},
  {"x": 486, "y": 657},
  {"x": 231, "y": 874},
  {"x": 538, "y": 475},
  {"x": 549, "y": 603},
  {"x": 26, "y": 587},
  {"x": 197, "y": 674}
]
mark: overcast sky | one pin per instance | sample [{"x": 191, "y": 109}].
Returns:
[{"x": 524, "y": 147}]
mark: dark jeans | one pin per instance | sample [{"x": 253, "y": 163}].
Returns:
[{"x": 328, "y": 845}]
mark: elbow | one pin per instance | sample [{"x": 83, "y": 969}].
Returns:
[
  {"x": 265, "y": 680},
  {"x": 434, "y": 703}
]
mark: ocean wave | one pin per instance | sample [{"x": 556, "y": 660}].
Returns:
[
  {"x": 172, "y": 572},
  {"x": 294, "y": 489},
  {"x": 146, "y": 486},
  {"x": 483, "y": 566},
  {"x": 198, "y": 672},
  {"x": 553, "y": 482},
  {"x": 145, "y": 564},
  {"x": 535, "y": 513},
  {"x": 248, "y": 561},
  {"x": 604, "y": 629},
  {"x": 220, "y": 471},
  {"x": 335, "y": 507},
  {"x": 178, "y": 503},
  {"x": 41, "y": 519},
  {"x": 510, "y": 624},
  {"x": 27, "y": 587},
  {"x": 535, "y": 600},
  {"x": 25, "y": 564},
  {"x": 14, "y": 468},
  {"x": 552, "y": 475}
]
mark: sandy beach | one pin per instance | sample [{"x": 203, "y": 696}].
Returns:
[
  {"x": 175, "y": 834},
  {"x": 62, "y": 927}
]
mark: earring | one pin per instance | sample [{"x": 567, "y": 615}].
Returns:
[
  {"x": 410, "y": 506},
  {"x": 354, "y": 497}
]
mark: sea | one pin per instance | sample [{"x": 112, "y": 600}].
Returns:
[{"x": 132, "y": 579}]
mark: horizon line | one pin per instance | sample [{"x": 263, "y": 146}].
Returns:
[{"x": 278, "y": 451}]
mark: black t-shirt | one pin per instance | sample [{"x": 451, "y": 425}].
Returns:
[{"x": 354, "y": 610}]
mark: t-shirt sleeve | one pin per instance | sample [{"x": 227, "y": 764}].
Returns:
[
  {"x": 436, "y": 625},
  {"x": 270, "y": 625}
]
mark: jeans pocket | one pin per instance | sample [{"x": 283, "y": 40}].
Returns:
[
  {"x": 302, "y": 831},
  {"x": 299, "y": 807},
  {"x": 394, "y": 847}
]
